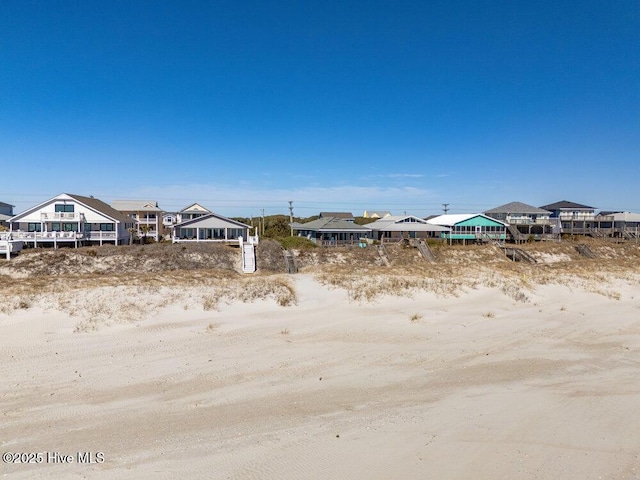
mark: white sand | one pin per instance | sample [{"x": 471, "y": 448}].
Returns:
[{"x": 479, "y": 387}]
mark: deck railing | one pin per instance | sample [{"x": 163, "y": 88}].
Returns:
[
  {"x": 46, "y": 236},
  {"x": 527, "y": 221},
  {"x": 60, "y": 236},
  {"x": 62, "y": 216},
  {"x": 100, "y": 235}
]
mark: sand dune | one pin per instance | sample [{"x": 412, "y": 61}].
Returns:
[{"x": 424, "y": 385}]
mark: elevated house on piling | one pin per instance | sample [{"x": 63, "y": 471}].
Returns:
[
  {"x": 625, "y": 225},
  {"x": 571, "y": 218},
  {"x": 524, "y": 221},
  {"x": 71, "y": 220}
]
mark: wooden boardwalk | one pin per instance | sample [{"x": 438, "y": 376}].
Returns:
[{"x": 290, "y": 262}]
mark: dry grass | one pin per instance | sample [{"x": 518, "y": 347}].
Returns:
[{"x": 125, "y": 284}]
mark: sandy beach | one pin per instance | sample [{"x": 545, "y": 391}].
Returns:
[{"x": 479, "y": 384}]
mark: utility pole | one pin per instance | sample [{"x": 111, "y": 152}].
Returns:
[
  {"x": 445, "y": 208},
  {"x": 291, "y": 215}
]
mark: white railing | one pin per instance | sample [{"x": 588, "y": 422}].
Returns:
[
  {"x": 62, "y": 216},
  {"x": 99, "y": 235},
  {"x": 527, "y": 221},
  {"x": 576, "y": 216},
  {"x": 18, "y": 235}
]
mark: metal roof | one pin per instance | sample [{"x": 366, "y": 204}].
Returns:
[{"x": 454, "y": 219}]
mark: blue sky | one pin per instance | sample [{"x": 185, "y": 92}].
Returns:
[{"x": 336, "y": 105}]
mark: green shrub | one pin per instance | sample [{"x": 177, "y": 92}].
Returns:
[{"x": 299, "y": 243}]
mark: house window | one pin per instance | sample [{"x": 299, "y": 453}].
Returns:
[
  {"x": 70, "y": 227},
  {"x": 55, "y": 227},
  {"x": 34, "y": 227},
  {"x": 106, "y": 227},
  {"x": 64, "y": 208}
]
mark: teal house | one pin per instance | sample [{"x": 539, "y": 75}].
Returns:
[{"x": 474, "y": 227}]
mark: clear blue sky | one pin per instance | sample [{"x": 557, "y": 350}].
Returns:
[{"x": 336, "y": 105}]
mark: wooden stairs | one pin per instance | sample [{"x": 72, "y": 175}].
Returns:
[
  {"x": 518, "y": 237},
  {"x": 518, "y": 255},
  {"x": 290, "y": 262},
  {"x": 384, "y": 255},
  {"x": 585, "y": 251},
  {"x": 248, "y": 252},
  {"x": 425, "y": 251}
]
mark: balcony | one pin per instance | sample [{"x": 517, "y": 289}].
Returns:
[
  {"x": 46, "y": 236},
  {"x": 579, "y": 216},
  {"x": 62, "y": 217},
  {"x": 527, "y": 221},
  {"x": 100, "y": 235}
]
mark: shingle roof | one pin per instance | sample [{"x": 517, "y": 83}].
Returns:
[
  {"x": 517, "y": 207},
  {"x": 565, "y": 204},
  {"x": 136, "y": 206},
  {"x": 395, "y": 223},
  {"x": 102, "y": 207},
  {"x": 190, "y": 209},
  {"x": 212, "y": 220},
  {"x": 2, "y": 204},
  {"x": 331, "y": 224},
  {"x": 336, "y": 215}
]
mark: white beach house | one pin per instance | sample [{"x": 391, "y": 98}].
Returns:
[{"x": 68, "y": 219}]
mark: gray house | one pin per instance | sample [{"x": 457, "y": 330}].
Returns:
[
  {"x": 523, "y": 220},
  {"x": 331, "y": 231},
  {"x": 397, "y": 227},
  {"x": 6, "y": 212},
  {"x": 211, "y": 228},
  {"x": 571, "y": 217}
]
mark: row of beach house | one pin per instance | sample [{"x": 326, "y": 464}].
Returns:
[{"x": 76, "y": 220}]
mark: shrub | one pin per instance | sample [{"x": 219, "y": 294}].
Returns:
[{"x": 298, "y": 243}]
